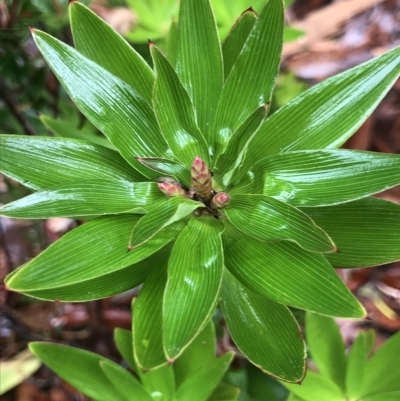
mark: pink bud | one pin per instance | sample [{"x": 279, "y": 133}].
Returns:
[
  {"x": 221, "y": 199},
  {"x": 171, "y": 190},
  {"x": 201, "y": 178}
]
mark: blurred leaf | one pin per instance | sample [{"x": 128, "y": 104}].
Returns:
[
  {"x": 284, "y": 273},
  {"x": 291, "y": 34},
  {"x": 268, "y": 219},
  {"x": 194, "y": 279},
  {"x": 366, "y": 232},
  {"x": 392, "y": 396},
  {"x": 123, "y": 340},
  {"x": 264, "y": 331},
  {"x": 224, "y": 392},
  {"x": 41, "y": 163}
]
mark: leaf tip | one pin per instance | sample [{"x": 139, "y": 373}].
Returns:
[
  {"x": 70, "y": 2},
  {"x": 250, "y": 10},
  {"x": 32, "y": 29}
]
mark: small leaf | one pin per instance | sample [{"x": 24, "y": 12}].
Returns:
[
  {"x": 147, "y": 325},
  {"x": 252, "y": 78},
  {"x": 327, "y": 114},
  {"x": 85, "y": 198},
  {"x": 160, "y": 216},
  {"x": 175, "y": 113},
  {"x": 234, "y": 42},
  {"x": 126, "y": 384},
  {"x": 327, "y": 348},
  {"x": 42, "y": 163},
  {"x": 200, "y": 385},
  {"x": 264, "y": 331},
  {"x": 79, "y": 368},
  {"x": 199, "y": 59},
  {"x": 366, "y": 231},
  {"x": 326, "y": 177},
  {"x": 194, "y": 278},
  {"x": 113, "y": 107},
  {"x": 268, "y": 219},
  {"x": 123, "y": 340},
  {"x": 285, "y": 273}
]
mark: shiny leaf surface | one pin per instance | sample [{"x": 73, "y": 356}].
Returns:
[
  {"x": 109, "y": 103},
  {"x": 100, "y": 43},
  {"x": 264, "y": 331},
  {"x": 327, "y": 114},
  {"x": 123, "y": 341},
  {"x": 327, "y": 177},
  {"x": 175, "y": 113},
  {"x": 285, "y": 273},
  {"x": 199, "y": 59},
  {"x": 366, "y": 232},
  {"x": 268, "y": 219},
  {"x": 41, "y": 162},
  {"x": 252, "y": 78},
  {"x": 194, "y": 278},
  {"x": 85, "y": 198}
]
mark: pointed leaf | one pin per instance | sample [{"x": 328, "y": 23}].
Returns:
[
  {"x": 109, "y": 103},
  {"x": 326, "y": 177},
  {"x": 285, "y": 273},
  {"x": 194, "y": 278},
  {"x": 160, "y": 216},
  {"x": 201, "y": 352},
  {"x": 125, "y": 382},
  {"x": 327, "y": 114},
  {"x": 175, "y": 113},
  {"x": 268, "y": 219},
  {"x": 123, "y": 341},
  {"x": 234, "y": 42},
  {"x": 79, "y": 368},
  {"x": 41, "y": 163},
  {"x": 147, "y": 325},
  {"x": 252, "y": 78},
  {"x": 327, "y": 348},
  {"x": 366, "y": 232},
  {"x": 100, "y": 43},
  {"x": 199, "y": 386},
  {"x": 85, "y": 198},
  {"x": 89, "y": 251},
  {"x": 266, "y": 332},
  {"x": 199, "y": 59}
]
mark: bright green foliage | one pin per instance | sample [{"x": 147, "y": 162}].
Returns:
[
  {"x": 195, "y": 376},
  {"x": 356, "y": 376},
  {"x": 261, "y": 234}
]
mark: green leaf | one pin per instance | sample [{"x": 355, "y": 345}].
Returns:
[
  {"x": 234, "y": 42},
  {"x": 85, "y": 198},
  {"x": 67, "y": 130},
  {"x": 90, "y": 251},
  {"x": 175, "y": 113},
  {"x": 327, "y": 114},
  {"x": 123, "y": 340},
  {"x": 224, "y": 391},
  {"x": 199, "y": 353},
  {"x": 285, "y": 273},
  {"x": 79, "y": 368},
  {"x": 199, "y": 60},
  {"x": 42, "y": 163},
  {"x": 126, "y": 384},
  {"x": 194, "y": 279},
  {"x": 232, "y": 156},
  {"x": 147, "y": 325},
  {"x": 252, "y": 78},
  {"x": 316, "y": 388},
  {"x": 172, "y": 43},
  {"x": 199, "y": 386},
  {"x": 100, "y": 43},
  {"x": 264, "y": 331},
  {"x": 356, "y": 363},
  {"x": 327, "y": 348},
  {"x": 291, "y": 34},
  {"x": 366, "y": 232},
  {"x": 160, "y": 216},
  {"x": 109, "y": 103},
  {"x": 392, "y": 396},
  {"x": 268, "y": 219},
  {"x": 381, "y": 374},
  {"x": 326, "y": 177}
]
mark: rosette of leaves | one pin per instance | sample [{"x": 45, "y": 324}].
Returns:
[
  {"x": 196, "y": 375},
  {"x": 283, "y": 208},
  {"x": 359, "y": 375}
]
